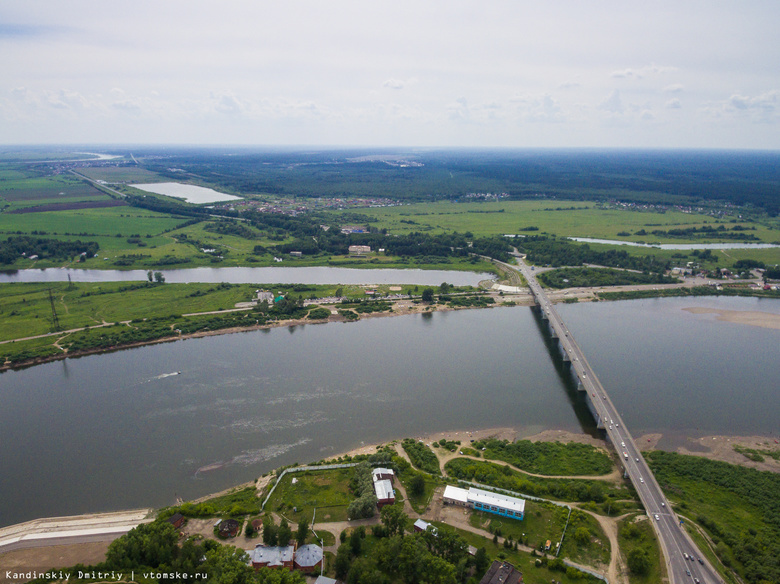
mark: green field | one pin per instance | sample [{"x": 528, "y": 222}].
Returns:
[
  {"x": 325, "y": 490},
  {"x": 548, "y": 458},
  {"x": 18, "y": 190},
  {"x": 121, "y": 174},
  {"x": 124, "y": 221},
  {"x": 26, "y": 309},
  {"x": 562, "y": 218}
]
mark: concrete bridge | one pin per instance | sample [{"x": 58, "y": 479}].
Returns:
[{"x": 675, "y": 542}]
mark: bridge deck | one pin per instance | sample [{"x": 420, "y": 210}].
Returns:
[{"x": 674, "y": 540}]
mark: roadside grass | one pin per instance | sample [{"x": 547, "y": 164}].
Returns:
[
  {"x": 641, "y": 536},
  {"x": 737, "y": 506},
  {"x": 325, "y": 490},
  {"x": 707, "y": 551},
  {"x": 548, "y": 458},
  {"x": 542, "y": 521},
  {"x": 591, "y": 551}
]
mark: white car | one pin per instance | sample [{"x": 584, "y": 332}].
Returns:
[
  {"x": 641, "y": 480},
  {"x": 656, "y": 517}
]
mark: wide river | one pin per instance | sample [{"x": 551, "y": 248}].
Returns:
[
  {"x": 309, "y": 275},
  {"x": 118, "y": 430}
]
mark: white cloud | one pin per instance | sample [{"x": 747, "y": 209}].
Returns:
[
  {"x": 326, "y": 79},
  {"x": 459, "y": 111},
  {"x": 393, "y": 84},
  {"x": 613, "y": 104},
  {"x": 642, "y": 73},
  {"x": 229, "y": 104}
]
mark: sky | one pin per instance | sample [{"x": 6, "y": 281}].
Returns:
[{"x": 545, "y": 73}]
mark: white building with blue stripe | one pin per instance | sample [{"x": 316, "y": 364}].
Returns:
[{"x": 487, "y": 501}]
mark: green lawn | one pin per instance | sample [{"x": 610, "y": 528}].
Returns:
[
  {"x": 325, "y": 490},
  {"x": 542, "y": 521}
]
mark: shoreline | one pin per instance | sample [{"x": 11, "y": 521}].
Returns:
[
  {"x": 400, "y": 308},
  {"x": 714, "y": 447},
  {"x": 65, "y": 541},
  {"x": 760, "y": 319},
  {"x": 757, "y": 318}
]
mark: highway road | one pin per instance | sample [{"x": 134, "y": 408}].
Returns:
[{"x": 685, "y": 563}]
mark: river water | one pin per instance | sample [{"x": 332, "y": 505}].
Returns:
[
  {"x": 308, "y": 275},
  {"x": 140, "y": 427},
  {"x": 679, "y": 246}
]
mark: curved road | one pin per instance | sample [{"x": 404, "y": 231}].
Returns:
[{"x": 685, "y": 563}]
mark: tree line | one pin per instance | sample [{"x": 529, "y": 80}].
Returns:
[
  {"x": 543, "y": 250},
  {"x": 12, "y": 248}
]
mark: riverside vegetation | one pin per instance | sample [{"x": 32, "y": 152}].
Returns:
[
  {"x": 117, "y": 314},
  {"x": 737, "y": 513},
  {"x": 386, "y": 551}
]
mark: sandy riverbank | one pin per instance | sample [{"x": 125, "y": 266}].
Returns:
[
  {"x": 62, "y": 553},
  {"x": 749, "y": 317}
]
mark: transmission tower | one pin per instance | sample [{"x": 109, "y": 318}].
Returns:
[{"x": 55, "y": 322}]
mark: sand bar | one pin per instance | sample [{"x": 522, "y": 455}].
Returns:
[{"x": 750, "y": 317}]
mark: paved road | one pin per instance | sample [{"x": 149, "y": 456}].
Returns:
[
  {"x": 675, "y": 542},
  {"x": 69, "y": 530}
]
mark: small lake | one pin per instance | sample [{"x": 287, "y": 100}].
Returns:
[
  {"x": 190, "y": 193},
  {"x": 678, "y": 246},
  {"x": 308, "y": 275},
  {"x": 140, "y": 427}
]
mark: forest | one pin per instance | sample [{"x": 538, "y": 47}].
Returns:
[
  {"x": 14, "y": 247},
  {"x": 542, "y": 250},
  {"x": 642, "y": 176}
]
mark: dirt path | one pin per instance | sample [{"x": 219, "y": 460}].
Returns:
[{"x": 616, "y": 572}]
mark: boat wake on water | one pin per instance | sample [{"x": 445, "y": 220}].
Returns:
[{"x": 164, "y": 375}]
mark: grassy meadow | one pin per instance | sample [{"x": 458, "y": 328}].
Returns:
[{"x": 555, "y": 217}]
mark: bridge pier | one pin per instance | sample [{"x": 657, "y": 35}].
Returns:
[{"x": 596, "y": 416}]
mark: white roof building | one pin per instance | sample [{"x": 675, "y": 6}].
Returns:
[
  {"x": 379, "y": 474},
  {"x": 485, "y": 501},
  {"x": 478, "y": 497},
  {"x": 272, "y": 556},
  {"x": 456, "y": 495},
  {"x": 384, "y": 490}
]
